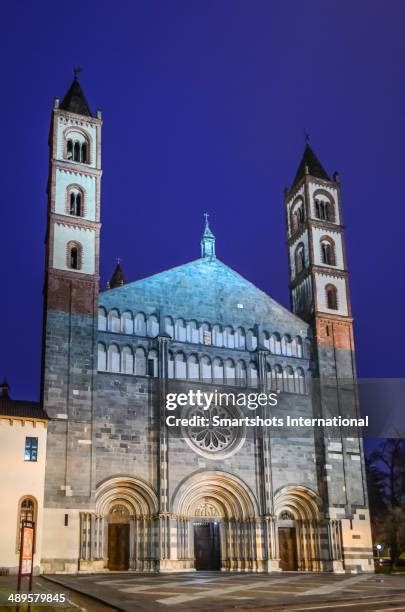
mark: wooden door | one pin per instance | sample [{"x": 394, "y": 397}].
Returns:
[
  {"x": 118, "y": 546},
  {"x": 288, "y": 548},
  {"x": 207, "y": 550}
]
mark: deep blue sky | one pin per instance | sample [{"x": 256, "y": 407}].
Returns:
[{"x": 204, "y": 106}]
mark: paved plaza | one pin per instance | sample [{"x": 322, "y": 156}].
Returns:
[{"x": 226, "y": 592}]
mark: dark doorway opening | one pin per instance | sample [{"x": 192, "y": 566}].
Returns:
[
  {"x": 288, "y": 548},
  {"x": 207, "y": 546},
  {"x": 118, "y": 546}
]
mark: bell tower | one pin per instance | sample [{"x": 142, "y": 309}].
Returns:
[
  {"x": 70, "y": 302},
  {"x": 320, "y": 294}
]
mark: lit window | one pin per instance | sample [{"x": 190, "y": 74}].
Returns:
[{"x": 31, "y": 449}]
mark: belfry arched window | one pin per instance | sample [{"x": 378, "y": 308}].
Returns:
[
  {"x": 324, "y": 208},
  {"x": 299, "y": 258},
  {"x": 331, "y": 297},
  {"x": 76, "y": 204},
  {"x": 297, "y": 216},
  {"x": 77, "y": 149},
  {"x": 328, "y": 255},
  {"x": 74, "y": 255}
]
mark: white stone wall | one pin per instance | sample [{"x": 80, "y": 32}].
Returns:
[
  {"x": 86, "y": 237},
  {"x": 65, "y": 178},
  {"x": 19, "y": 478},
  {"x": 60, "y": 541}
]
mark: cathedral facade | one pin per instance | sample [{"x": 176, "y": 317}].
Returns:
[{"x": 122, "y": 492}]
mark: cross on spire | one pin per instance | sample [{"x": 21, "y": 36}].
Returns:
[
  {"x": 207, "y": 240},
  {"x": 76, "y": 70}
]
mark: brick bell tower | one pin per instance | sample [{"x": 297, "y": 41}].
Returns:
[
  {"x": 320, "y": 294},
  {"x": 70, "y": 304}
]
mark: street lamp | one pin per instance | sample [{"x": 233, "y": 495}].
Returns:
[{"x": 379, "y": 548}]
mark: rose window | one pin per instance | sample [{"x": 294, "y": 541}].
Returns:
[{"x": 214, "y": 441}]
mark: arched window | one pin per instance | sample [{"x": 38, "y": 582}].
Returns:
[
  {"x": 193, "y": 368},
  {"x": 83, "y": 153},
  {"x": 27, "y": 511},
  {"x": 205, "y": 334},
  {"x": 324, "y": 209},
  {"x": 102, "y": 319},
  {"x": 240, "y": 338},
  {"x": 241, "y": 374},
  {"x": 180, "y": 331},
  {"x": 299, "y": 381},
  {"x": 218, "y": 371},
  {"x": 253, "y": 374},
  {"x": 101, "y": 357},
  {"x": 268, "y": 375},
  {"x": 192, "y": 332},
  {"x": 230, "y": 372},
  {"x": 328, "y": 254},
  {"x": 217, "y": 336},
  {"x": 331, "y": 297},
  {"x": 140, "y": 361},
  {"x": 114, "y": 321},
  {"x": 77, "y": 149},
  {"x": 251, "y": 340},
  {"x": 153, "y": 326},
  {"x": 69, "y": 148},
  {"x": 275, "y": 344},
  {"x": 266, "y": 340},
  {"x": 298, "y": 344},
  {"x": 127, "y": 360},
  {"x": 229, "y": 337},
  {"x": 297, "y": 217},
  {"x": 127, "y": 323},
  {"x": 299, "y": 258},
  {"x": 289, "y": 380},
  {"x": 277, "y": 378},
  {"x": 153, "y": 364},
  {"x": 76, "y": 204},
  {"x": 180, "y": 368},
  {"x": 286, "y": 348},
  {"x": 113, "y": 358},
  {"x": 74, "y": 255},
  {"x": 170, "y": 365},
  {"x": 169, "y": 327},
  {"x": 140, "y": 324},
  {"x": 206, "y": 371}
]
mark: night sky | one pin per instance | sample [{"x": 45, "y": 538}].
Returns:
[{"x": 204, "y": 106}]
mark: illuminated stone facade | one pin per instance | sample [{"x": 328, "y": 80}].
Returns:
[{"x": 123, "y": 492}]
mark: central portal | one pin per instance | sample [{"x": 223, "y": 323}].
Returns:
[
  {"x": 288, "y": 548},
  {"x": 207, "y": 546},
  {"x": 118, "y": 546}
]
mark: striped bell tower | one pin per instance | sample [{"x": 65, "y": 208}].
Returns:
[{"x": 70, "y": 306}]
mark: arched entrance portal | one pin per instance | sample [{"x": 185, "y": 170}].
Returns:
[
  {"x": 207, "y": 537},
  {"x": 220, "y": 515},
  {"x": 118, "y": 538},
  {"x": 297, "y": 528},
  {"x": 128, "y": 508}
]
